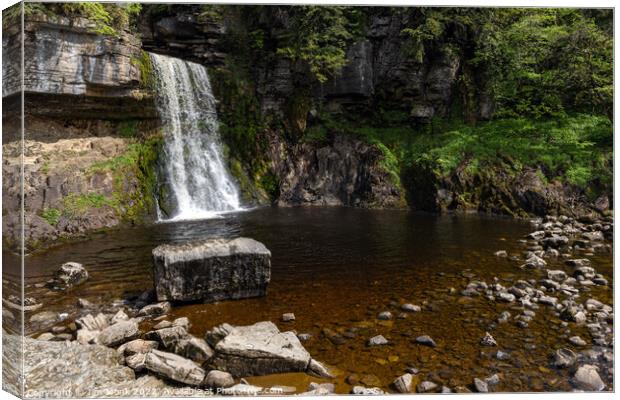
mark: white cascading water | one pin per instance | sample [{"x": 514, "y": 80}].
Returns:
[{"x": 197, "y": 177}]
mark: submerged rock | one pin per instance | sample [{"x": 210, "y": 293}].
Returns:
[
  {"x": 71, "y": 274},
  {"x": 259, "y": 349},
  {"x": 587, "y": 378},
  {"x": 377, "y": 341},
  {"x": 426, "y": 341},
  {"x": 488, "y": 340},
  {"x": 211, "y": 270}
]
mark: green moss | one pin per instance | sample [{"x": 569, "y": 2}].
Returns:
[
  {"x": 145, "y": 64},
  {"x": 51, "y": 215},
  {"x": 128, "y": 129},
  {"x": 137, "y": 165},
  {"x": 78, "y": 204}
]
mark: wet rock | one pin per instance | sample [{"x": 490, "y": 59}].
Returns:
[
  {"x": 71, "y": 274},
  {"x": 502, "y": 356},
  {"x": 304, "y": 337},
  {"x": 555, "y": 241},
  {"x": 138, "y": 346},
  {"x": 552, "y": 253},
  {"x": 260, "y": 349},
  {"x": 595, "y": 236},
  {"x": 534, "y": 262},
  {"x": 384, "y": 315},
  {"x": 573, "y": 314},
  {"x": 320, "y": 389},
  {"x": 426, "y": 386},
  {"x": 587, "y": 378},
  {"x": 505, "y": 297},
  {"x": 333, "y": 336},
  {"x": 501, "y": 253},
  {"x": 162, "y": 325},
  {"x": 577, "y": 341},
  {"x": 577, "y": 263},
  {"x": 119, "y": 316},
  {"x": 426, "y": 341},
  {"x": 168, "y": 337},
  {"x": 212, "y": 270},
  {"x": 155, "y": 309},
  {"x": 182, "y": 322},
  {"x": 481, "y": 386},
  {"x": 288, "y": 317},
  {"x": 375, "y": 391},
  {"x": 219, "y": 379},
  {"x": 45, "y": 336},
  {"x": 564, "y": 358},
  {"x": 556, "y": 275},
  {"x": 377, "y": 341},
  {"x": 218, "y": 333},
  {"x": 548, "y": 300},
  {"x": 174, "y": 367},
  {"x": 410, "y": 308},
  {"x": 83, "y": 303},
  {"x": 193, "y": 348},
  {"x": 118, "y": 333},
  {"x": 503, "y": 317},
  {"x": 492, "y": 380},
  {"x": 44, "y": 318},
  {"x": 317, "y": 369},
  {"x": 488, "y": 340},
  {"x": 403, "y": 384}
]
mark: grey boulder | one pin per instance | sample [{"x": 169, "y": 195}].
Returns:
[
  {"x": 118, "y": 333},
  {"x": 260, "y": 349},
  {"x": 174, "y": 367},
  {"x": 211, "y": 270}
]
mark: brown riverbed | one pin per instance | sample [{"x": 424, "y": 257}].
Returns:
[{"x": 337, "y": 268}]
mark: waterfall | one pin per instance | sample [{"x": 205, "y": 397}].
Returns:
[{"x": 200, "y": 186}]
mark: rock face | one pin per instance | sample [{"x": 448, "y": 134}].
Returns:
[
  {"x": 212, "y": 270},
  {"x": 64, "y": 59},
  {"x": 345, "y": 172},
  {"x": 259, "y": 349}
]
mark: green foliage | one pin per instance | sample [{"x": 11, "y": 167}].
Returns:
[
  {"x": 13, "y": 14},
  {"x": 318, "y": 38},
  {"x": 78, "y": 204},
  {"x": 534, "y": 62},
  {"x": 51, "y": 215},
  {"x": 109, "y": 18},
  {"x": 145, "y": 64}
]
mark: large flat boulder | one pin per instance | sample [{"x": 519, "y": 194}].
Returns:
[
  {"x": 259, "y": 349},
  {"x": 211, "y": 270}
]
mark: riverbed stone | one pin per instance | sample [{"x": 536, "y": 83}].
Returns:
[
  {"x": 161, "y": 308},
  {"x": 194, "y": 348},
  {"x": 260, "y": 349},
  {"x": 587, "y": 378},
  {"x": 183, "y": 322},
  {"x": 377, "y": 341},
  {"x": 288, "y": 317},
  {"x": 403, "y": 383},
  {"x": 137, "y": 346},
  {"x": 564, "y": 358},
  {"x": 174, "y": 367},
  {"x": 219, "y": 379},
  {"x": 364, "y": 391},
  {"x": 408, "y": 307},
  {"x": 556, "y": 275},
  {"x": 481, "y": 386},
  {"x": 317, "y": 369},
  {"x": 71, "y": 274},
  {"x": 118, "y": 333},
  {"x": 427, "y": 386},
  {"x": 168, "y": 337},
  {"x": 426, "y": 341},
  {"x": 218, "y": 333},
  {"x": 211, "y": 270},
  {"x": 384, "y": 315},
  {"x": 577, "y": 341},
  {"x": 488, "y": 340}
]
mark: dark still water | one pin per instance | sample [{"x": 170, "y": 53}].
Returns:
[{"x": 336, "y": 269}]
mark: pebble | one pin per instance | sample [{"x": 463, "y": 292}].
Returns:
[
  {"x": 426, "y": 386},
  {"x": 377, "y": 341},
  {"x": 288, "y": 317},
  {"x": 384, "y": 315},
  {"x": 488, "y": 340},
  {"x": 481, "y": 386},
  {"x": 426, "y": 341},
  {"x": 402, "y": 384},
  {"x": 411, "y": 308},
  {"x": 577, "y": 341},
  {"x": 563, "y": 358},
  {"x": 587, "y": 378}
]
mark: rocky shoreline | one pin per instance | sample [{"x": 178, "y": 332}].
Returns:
[{"x": 153, "y": 351}]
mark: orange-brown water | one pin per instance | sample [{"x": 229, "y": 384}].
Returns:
[{"x": 337, "y": 268}]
